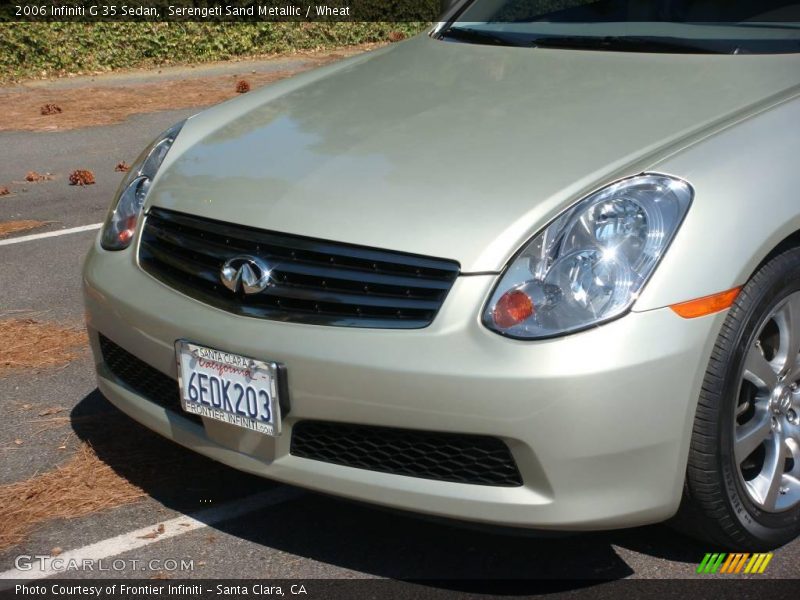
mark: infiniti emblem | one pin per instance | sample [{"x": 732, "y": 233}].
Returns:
[{"x": 248, "y": 273}]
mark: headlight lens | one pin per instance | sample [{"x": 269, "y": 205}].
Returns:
[
  {"x": 590, "y": 264},
  {"x": 124, "y": 214}
]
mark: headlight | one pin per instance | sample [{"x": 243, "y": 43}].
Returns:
[
  {"x": 590, "y": 264},
  {"x": 124, "y": 214}
]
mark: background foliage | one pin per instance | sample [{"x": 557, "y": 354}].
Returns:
[{"x": 32, "y": 50}]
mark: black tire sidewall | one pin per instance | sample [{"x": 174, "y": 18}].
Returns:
[{"x": 766, "y": 290}]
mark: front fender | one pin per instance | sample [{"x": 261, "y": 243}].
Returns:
[{"x": 747, "y": 201}]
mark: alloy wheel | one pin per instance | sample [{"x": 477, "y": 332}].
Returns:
[{"x": 766, "y": 440}]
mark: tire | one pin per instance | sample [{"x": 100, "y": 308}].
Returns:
[{"x": 736, "y": 498}]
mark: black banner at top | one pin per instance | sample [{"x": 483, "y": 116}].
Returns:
[
  {"x": 220, "y": 10},
  {"x": 543, "y": 17}
]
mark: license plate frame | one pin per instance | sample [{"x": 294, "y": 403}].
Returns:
[{"x": 262, "y": 377}]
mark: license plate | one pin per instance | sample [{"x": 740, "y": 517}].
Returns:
[{"x": 228, "y": 387}]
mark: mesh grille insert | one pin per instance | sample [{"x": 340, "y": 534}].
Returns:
[
  {"x": 460, "y": 458},
  {"x": 147, "y": 381}
]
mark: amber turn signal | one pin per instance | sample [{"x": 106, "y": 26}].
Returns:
[
  {"x": 512, "y": 308},
  {"x": 707, "y": 305}
]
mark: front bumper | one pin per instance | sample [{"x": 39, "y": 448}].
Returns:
[{"x": 598, "y": 422}]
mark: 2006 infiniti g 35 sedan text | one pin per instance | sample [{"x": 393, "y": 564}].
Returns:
[{"x": 538, "y": 267}]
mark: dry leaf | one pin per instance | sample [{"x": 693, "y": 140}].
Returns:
[
  {"x": 50, "y": 109},
  {"x": 81, "y": 177},
  {"x": 51, "y": 411},
  {"x": 33, "y": 177},
  {"x": 8, "y": 227}
]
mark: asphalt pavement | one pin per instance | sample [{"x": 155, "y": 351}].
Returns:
[{"x": 292, "y": 533}]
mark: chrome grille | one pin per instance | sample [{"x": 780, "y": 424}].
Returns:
[{"x": 315, "y": 281}]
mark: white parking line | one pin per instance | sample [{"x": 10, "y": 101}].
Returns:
[
  {"x": 39, "y": 236},
  {"x": 150, "y": 535}
]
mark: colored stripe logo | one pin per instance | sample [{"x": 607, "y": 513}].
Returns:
[{"x": 732, "y": 564}]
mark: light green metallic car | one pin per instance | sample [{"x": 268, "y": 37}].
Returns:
[{"x": 538, "y": 267}]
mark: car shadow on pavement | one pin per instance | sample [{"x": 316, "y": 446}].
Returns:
[{"x": 363, "y": 538}]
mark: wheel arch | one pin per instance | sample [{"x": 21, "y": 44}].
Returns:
[{"x": 787, "y": 243}]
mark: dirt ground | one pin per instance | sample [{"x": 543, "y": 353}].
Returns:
[
  {"x": 9, "y": 227},
  {"x": 101, "y": 104},
  {"x": 29, "y": 343},
  {"x": 80, "y": 486}
]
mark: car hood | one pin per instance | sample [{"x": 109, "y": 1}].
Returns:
[{"x": 452, "y": 150}]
